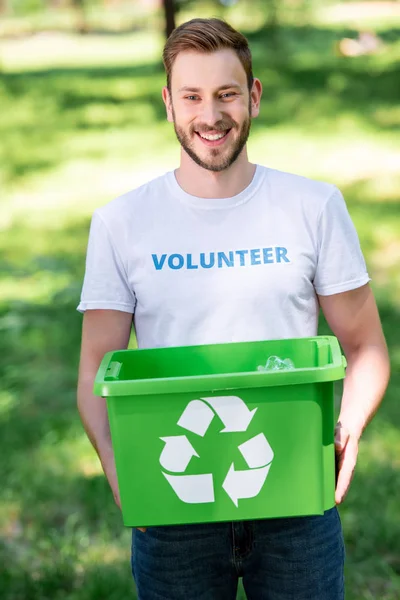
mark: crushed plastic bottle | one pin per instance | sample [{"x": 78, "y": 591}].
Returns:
[{"x": 274, "y": 363}]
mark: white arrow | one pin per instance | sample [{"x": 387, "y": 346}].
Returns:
[
  {"x": 232, "y": 411},
  {"x": 256, "y": 451},
  {"x": 192, "y": 489},
  {"x": 196, "y": 417},
  {"x": 244, "y": 484},
  {"x": 176, "y": 453}
]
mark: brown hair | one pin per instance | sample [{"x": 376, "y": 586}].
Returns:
[{"x": 206, "y": 35}]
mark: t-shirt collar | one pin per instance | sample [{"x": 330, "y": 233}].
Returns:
[{"x": 216, "y": 203}]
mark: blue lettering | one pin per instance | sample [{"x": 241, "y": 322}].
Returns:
[
  {"x": 159, "y": 263},
  {"x": 189, "y": 262},
  {"x": 223, "y": 258},
  {"x": 203, "y": 260},
  {"x": 255, "y": 257},
  {"x": 281, "y": 254},
  {"x": 268, "y": 255},
  {"x": 242, "y": 255},
  {"x": 208, "y": 260},
  {"x": 180, "y": 259}
]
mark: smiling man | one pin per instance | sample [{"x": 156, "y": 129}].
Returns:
[
  {"x": 224, "y": 250},
  {"x": 216, "y": 140}
]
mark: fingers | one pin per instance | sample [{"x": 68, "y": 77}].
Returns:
[
  {"x": 118, "y": 503},
  {"x": 346, "y": 465},
  {"x": 117, "y": 500},
  {"x": 341, "y": 437}
]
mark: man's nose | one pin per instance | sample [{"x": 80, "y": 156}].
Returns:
[{"x": 210, "y": 113}]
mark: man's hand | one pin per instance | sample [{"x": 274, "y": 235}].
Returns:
[
  {"x": 111, "y": 474},
  {"x": 346, "y": 449}
]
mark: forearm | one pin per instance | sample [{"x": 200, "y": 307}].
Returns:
[
  {"x": 367, "y": 377},
  {"x": 94, "y": 417}
]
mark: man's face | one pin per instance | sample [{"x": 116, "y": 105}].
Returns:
[{"x": 210, "y": 106}]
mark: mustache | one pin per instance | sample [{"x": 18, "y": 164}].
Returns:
[{"x": 220, "y": 126}]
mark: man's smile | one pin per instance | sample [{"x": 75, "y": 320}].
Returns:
[{"x": 213, "y": 138}]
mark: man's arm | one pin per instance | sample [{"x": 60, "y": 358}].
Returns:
[
  {"x": 102, "y": 331},
  {"x": 354, "y": 319}
]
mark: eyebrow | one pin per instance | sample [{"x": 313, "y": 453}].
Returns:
[{"x": 226, "y": 86}]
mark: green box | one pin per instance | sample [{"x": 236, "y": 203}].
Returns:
[{"x": 200, "y": 435}]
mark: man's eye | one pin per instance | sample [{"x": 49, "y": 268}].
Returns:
[
  {"x": 228, "y": 94},
  {"x": 191, "y": 97}
]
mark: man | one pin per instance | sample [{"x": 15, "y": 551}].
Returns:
[{"x": 223, "y": 250}]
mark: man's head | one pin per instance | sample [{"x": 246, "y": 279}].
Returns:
[{"x": 210, "y": 92}]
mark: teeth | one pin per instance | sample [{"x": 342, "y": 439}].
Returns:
[{"x": 212, "y": 138}]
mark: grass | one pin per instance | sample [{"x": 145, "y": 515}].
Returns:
[{"x": 76, "y": 132}]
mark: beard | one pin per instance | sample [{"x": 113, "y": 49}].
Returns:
[{"x": 219, "y": 158}]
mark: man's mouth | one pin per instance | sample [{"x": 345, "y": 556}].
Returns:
[{"x": 213, "y": 138}]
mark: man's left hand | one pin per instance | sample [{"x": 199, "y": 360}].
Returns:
[{"x": 346, "y": 449}]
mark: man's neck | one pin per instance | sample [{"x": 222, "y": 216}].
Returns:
[{"x": 197, "y": 181}]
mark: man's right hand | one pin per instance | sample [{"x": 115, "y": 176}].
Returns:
[{"x": 111, "y": 474}]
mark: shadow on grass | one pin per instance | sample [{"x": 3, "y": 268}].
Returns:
[{"x": 62, "y": 576}]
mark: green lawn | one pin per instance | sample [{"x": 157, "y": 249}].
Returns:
[{"x": 78, "y": 128}]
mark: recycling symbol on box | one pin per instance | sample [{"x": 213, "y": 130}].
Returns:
[{"x": 178, "y": 451}]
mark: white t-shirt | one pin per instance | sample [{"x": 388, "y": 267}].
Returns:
[{"x": 198, "y": 271}]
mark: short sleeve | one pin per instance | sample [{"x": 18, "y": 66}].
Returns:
[
  {"x": 340, "y": 265},
  {"x": 105, "y": 284}
]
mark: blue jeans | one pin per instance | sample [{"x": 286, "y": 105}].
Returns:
[{"x": 297, "y": 558}]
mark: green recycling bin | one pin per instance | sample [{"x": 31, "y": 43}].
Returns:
[{"x": 201, "y": 435}]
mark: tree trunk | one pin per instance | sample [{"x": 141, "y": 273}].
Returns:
[
  {"x": 273, "y": 24},
  {"x": 80, "y": 16},
  {"x": 273, "y": 15},
  {"x": 169, "y": 12}
]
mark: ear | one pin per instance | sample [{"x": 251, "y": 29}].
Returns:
[
  {"x": 166, "y": 96},
  {"x": 255, "y": 97}
]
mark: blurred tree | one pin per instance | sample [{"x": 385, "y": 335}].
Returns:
[
  {"x": 172, "y": 8},
  {"x": 277, "y": 12},
  {"x": 281, "y": 11},
  {"x": 80, "y": 12},
  {"x": 169, "y": 12}
]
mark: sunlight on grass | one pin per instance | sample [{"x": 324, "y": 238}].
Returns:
[
  {"x": 37, "y": 288},
  {"x": 8, "y": 401},
  {"x": 361, "y": 14},
  {"x": 388, "y": 116},
  {"x": 385, "y": 258},
  {"x": 51, "y": 201},
  {"x": 70, "y": 50},
  {"x": 381, "y": 447},
  {"x": 340, "y": 158},
  {"x": 383, "y": 186},
  {"x": 69, "y": 457},
  {"x": 105, "y": 554}
]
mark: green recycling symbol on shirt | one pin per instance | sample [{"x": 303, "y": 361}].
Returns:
[{"x": 178, "y": 452}]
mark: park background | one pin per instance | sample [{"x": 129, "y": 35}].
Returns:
[{"x": 82, "y": 121}]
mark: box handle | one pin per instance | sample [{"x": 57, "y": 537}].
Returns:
[
  {"x": 113, "y": 371},
  {"x": 344, "y": 361}
]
